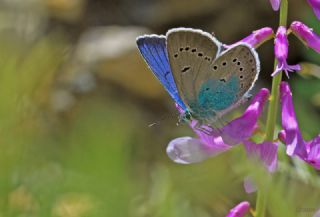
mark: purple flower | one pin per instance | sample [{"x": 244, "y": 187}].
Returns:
[
  {"x": 267, "y": 152},
  {"x": 306, "y": 34},
  {"x": 275, "y": 4},
  {"x": 257, "y": 37},
  {"x": 281, "y": 52},
  {"x": 188, "y": 150},
  {"x": 309, "y": 151},
  {"x": 240, "y": 210},
  {"x": 315, "y": 4}
]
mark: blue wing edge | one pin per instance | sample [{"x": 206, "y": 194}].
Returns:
[{"x": 154, "y": 51}]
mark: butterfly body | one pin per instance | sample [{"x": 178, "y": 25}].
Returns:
[{"x": 204, "y": 81}]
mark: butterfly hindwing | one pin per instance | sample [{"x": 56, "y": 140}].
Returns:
[
  {"x": 153, "y": 49},
  {"x": 235, "y": 72},
  {"x": 190, "y": 54},
  {"x": 240, "y": 61}
]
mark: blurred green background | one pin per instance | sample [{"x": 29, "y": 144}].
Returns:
[{"x": 76, "y": 99}]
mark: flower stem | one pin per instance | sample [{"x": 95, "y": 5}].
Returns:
[
  {"x": 274, "y": 98},
  {"x": 272, "y": 112}
]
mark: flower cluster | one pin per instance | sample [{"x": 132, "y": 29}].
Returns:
[
  {"x": 303, "y": 32},
  {"x": 281, "y": 44},
  {"x": 188, "y": 150},
  {"x": 309, "y": 151}
]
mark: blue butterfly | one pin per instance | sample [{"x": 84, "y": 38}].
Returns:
[{"x": 202, "y": 78}]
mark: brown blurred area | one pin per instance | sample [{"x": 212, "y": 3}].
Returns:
[
  {"x": 76, "y": 99},
  {"x": 103, "y": 33}
]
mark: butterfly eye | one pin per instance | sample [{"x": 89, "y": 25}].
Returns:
[{"x": 187, "y": 116}]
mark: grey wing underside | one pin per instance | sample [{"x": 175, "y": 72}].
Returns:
[
  {"x": 241, "y": 62},
  {"x": 190, "y": 53}
]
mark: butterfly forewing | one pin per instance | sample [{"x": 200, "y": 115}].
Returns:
[
  {"x": 190, "y": 54},
  {"x": 153, "y": 49}
]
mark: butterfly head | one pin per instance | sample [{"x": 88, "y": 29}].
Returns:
[{"x": 185, "y": 117}]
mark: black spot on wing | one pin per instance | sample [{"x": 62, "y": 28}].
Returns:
[{"x": 185, "y": 69}]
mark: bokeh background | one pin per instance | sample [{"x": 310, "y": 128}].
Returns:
[{"x": 76, "y": 99}]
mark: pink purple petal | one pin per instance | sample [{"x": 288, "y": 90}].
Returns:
[
  {"x": 281, "y": 45},
  {"x": 314, "y": 153},
  {"x": 283, "y": 66},
  {"x": 257, "y": 37},
  {"x": 187, "y": 150},
  {"x": 243, "y": 127},
  {"x": 266, "y": 152},
  {"x": 275, "y": 4},
  {"x": 315, "y": 4},
  {"x": 240, "y": 210},
  {"x": 306, "y": 34},
  {"x": 291, "y": 135}
]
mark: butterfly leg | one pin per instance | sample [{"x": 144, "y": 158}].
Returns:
[{"x": 204, "y": 128}]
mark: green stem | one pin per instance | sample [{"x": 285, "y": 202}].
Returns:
[
  {"x": 272, "y": 112},
  {"x": 274, "y": 98}
]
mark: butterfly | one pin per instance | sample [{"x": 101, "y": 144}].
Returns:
[{"x": 205, "y": 80}]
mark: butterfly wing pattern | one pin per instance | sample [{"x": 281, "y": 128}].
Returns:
[
  {"x": 233, "y": 74},
  {"x": 190, "y": 54},
  {"x": 205, "y": 81},
  {"x": 154, "y": 51}
]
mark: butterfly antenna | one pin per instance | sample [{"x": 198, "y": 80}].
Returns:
[
  {"x": 154, "y": 124},
  {"x": 164, "y": 117}
]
